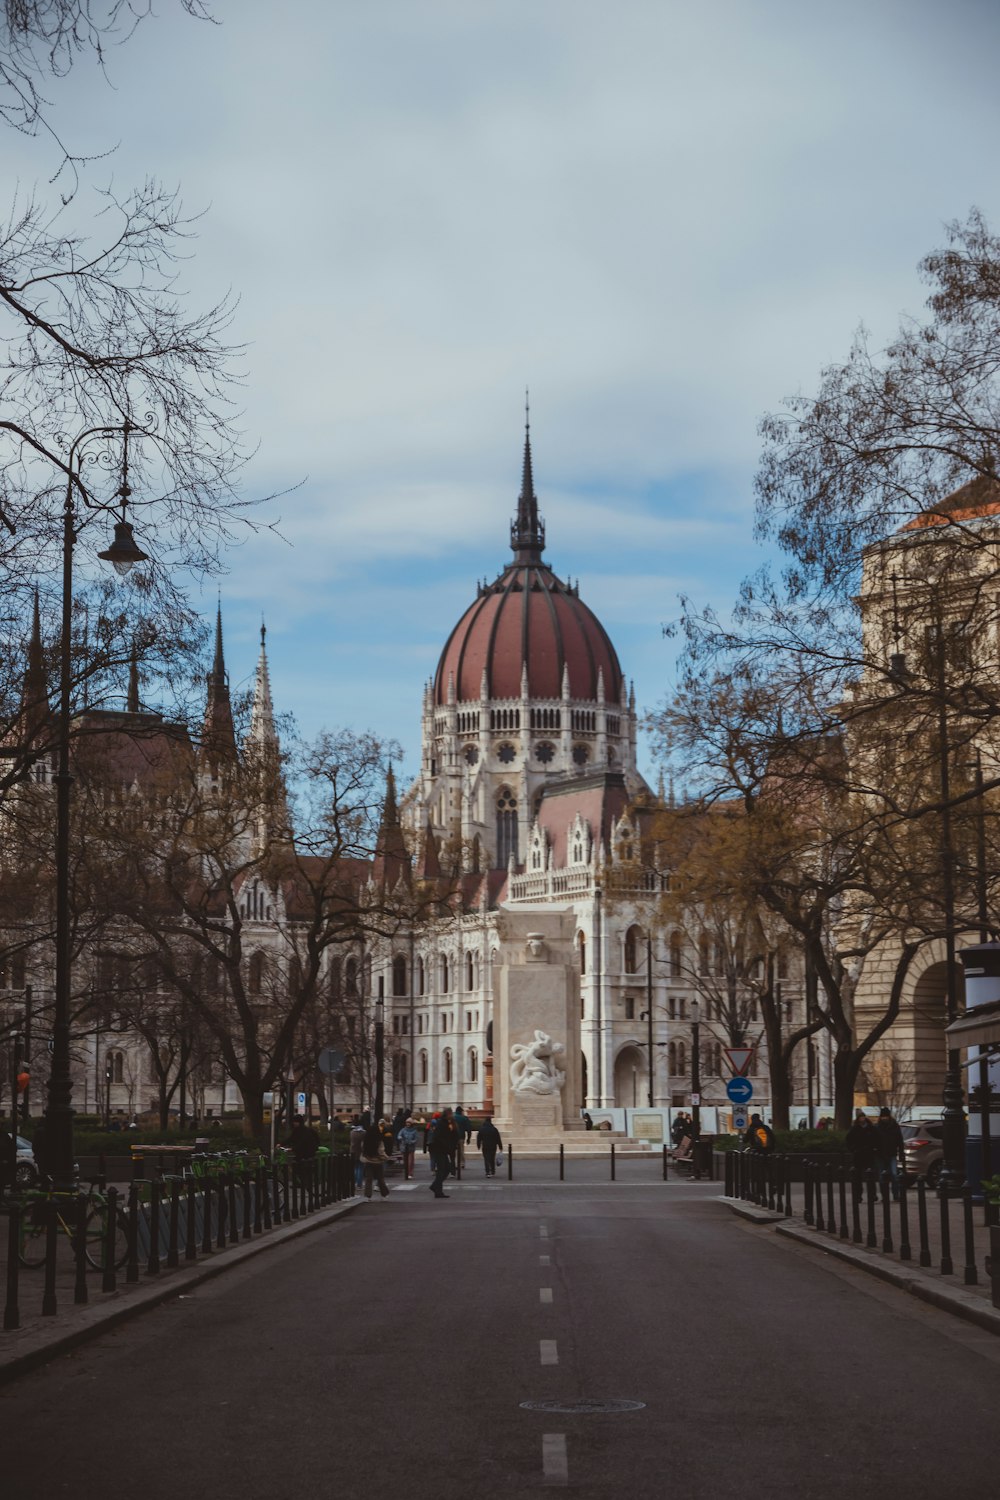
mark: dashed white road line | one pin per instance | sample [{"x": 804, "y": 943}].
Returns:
[
  {"x": 548, "y": 1351},
  {"x": 545, "y": 1294},
  {"x": 555, "y": 1460}
]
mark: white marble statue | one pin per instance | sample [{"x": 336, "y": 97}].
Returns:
[{"x": 533, "y": 1070}]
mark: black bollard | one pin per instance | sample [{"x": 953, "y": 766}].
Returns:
[
  {"x": 970, "y": 1275},
  {"x": 173, "y": 1232},
  {"x": 258, "y": 1194},
  {"x": 946, "y": 1263},
  {"x": 779, "y": 1184},
  {"x": 80, "y": 1208},
  {"x": 191, "y": 1221},
  {"x": 904, "y": 1220},
  {"x": 807, "y": 1190},
  {"x": 612, "y": 1161},
  {"x": 730, "y": 1171},
  {"x": 247, "y": 1209},
  {"x": 788, "y": 1185},
  {"x": 110, "y": 1241},
  {"x": 924, "y": 1257},
  {"x": 153, "y": 1263},
  {"x": 831, "y": 1217},
  {"x": 132, "y": 1265},
  {"x": 234, "y": 1227},
  {"x": 267, "y": 1186},
  {"x": 886, "y": 1220},
  {"x": 562, "y": 1162},
  {"x": 510, "y": 1163},
  {"x": 206, "y": 1216},
  {"x": 856, "y": 1189},
  {"x": 845, "y": 1233},
  {"x": 820, "y": 1221},
  {"x": 220, "y": 1210},
  {"x": 49, "y": 1304},
  {"x": 12, "y": 1307},
  {"x": 872, "y": 1238}
]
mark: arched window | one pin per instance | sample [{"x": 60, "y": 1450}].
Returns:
[
  {"x": 682, "y": 1057},
  {"x": 675, "y": 955},
  {"x": 422, "y": 1063},
  {"x": 420, "y": 976},
  {"x": 672, "y": 1059},
  {"x": 333, "y": 979},
  {"x": 255, "y": 975},
  {"x": 470, "y": 972},
  {"x": 116, "y": 1066},
  {"x": 399, "y": 1068},
  {"x": 472, "y": 1065},
  {"x": 703, "y": 954},
  {"x": 581, "y": 943},
  {"x": 506, "y": 828},
  {"x": 399, "y": 975},
  {"x": 351, "y": 979},
  {"x": 447, "y": 1065},
  {"x": 444, "y": 973},
  {"x": 632, "y": 940}
]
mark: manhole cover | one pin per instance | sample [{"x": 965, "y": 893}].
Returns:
[{"x": 583, "y": 1408}]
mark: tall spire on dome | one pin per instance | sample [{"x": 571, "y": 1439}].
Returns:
[
  {"x": 218, "y": 735},
  {"x": 262, "y": 734},
  {"x": 527, "y": 532}
]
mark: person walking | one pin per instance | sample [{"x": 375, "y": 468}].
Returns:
[
  {"x": 862, "y": 1142},
  {"x": 759, "y": 1136},
  {"x": 442, "y": 1143},
  {"x": 489, "y": 1143},
  {"x": 409, "y": 1139},
  {"x": 373, "y": 1159},
  {"x": 464, "y": 1126},
  {"x": 889, "y": 1148},
  {"x": 359, "y": 1125}
]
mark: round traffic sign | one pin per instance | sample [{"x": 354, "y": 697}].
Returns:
[{"x": 740, "y": 1090}]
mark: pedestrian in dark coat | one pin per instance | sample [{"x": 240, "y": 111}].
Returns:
[
  {"x": 442, "y": 1143},
  {"x": 889, "y": 1148},
  {"x": 489, "y": 1143},
  {"x": 758, "y": 1136},
  {"x": 862, "y": 1142},
  {"x": 373, "y": 1158}
]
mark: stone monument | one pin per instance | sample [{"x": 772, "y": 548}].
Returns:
[{"x": 536, "y": 1026}]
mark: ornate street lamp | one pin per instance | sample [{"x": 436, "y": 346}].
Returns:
[{"x": 123, "y": 554}]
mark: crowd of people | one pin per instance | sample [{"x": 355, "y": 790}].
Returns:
[{"x": 443, "y": 1138}]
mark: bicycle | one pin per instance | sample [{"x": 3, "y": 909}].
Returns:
[{"x": 34, "y": 1227}]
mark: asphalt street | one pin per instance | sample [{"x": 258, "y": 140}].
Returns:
[{"x": 391, "y": 1354}]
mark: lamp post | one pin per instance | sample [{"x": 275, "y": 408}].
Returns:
[
  {"x": 695, "y": 1069},
  {"x": 952, "y": 1115},
  {"x": 379, "y": 1048},
  {"x": 123, "y": 554},
  {"x": 647, "y": 1016}
]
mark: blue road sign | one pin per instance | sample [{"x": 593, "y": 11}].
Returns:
[{"x": 740, "y": 1090}]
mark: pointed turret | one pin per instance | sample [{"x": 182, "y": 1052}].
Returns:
[
  {"x": 132, "y": 701},
  {"x": 527, "y": 532},
  {"x": 34, "y": 692},
  {"x": 392, "y": 862},
  {"x": 218, "y": 736},
  {"x": 262, "y": 736},
  {"x": 429, "y": 864}
]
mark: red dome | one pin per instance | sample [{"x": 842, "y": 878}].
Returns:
[{"x": 528, "y": 615}]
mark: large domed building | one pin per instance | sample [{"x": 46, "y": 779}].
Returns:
[{"x": 528, "y": 696}]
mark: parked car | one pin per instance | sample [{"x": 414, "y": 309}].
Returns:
[
  {"x": 25, "y": 1170},
  {"x": 923, "y": 1150}
]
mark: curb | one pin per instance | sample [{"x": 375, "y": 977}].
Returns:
[
  {"x": 950, "y": 1299},
  {"x": 44, "y": 1344}
]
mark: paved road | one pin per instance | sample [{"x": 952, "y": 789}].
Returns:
[{"x": 390, "y": 1354}]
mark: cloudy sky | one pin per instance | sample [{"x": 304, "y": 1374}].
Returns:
[{"x": 662, "y": 217}]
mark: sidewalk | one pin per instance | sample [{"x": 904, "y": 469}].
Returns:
[
  {"x": 949, "y": 1292},
  {"x": 43, "y": 1338}
]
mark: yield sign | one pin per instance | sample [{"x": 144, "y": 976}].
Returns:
[{"x": 739, "y": 1059}]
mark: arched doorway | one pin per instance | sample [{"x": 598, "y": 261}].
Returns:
[
  {"x": 930, "y": 1014},
  {"x": 631, "y": 1078}
]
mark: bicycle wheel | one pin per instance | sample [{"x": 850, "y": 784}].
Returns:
[
  {"x": 32, "y": 1249},
  {"x": 95, "y": 1234}
]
